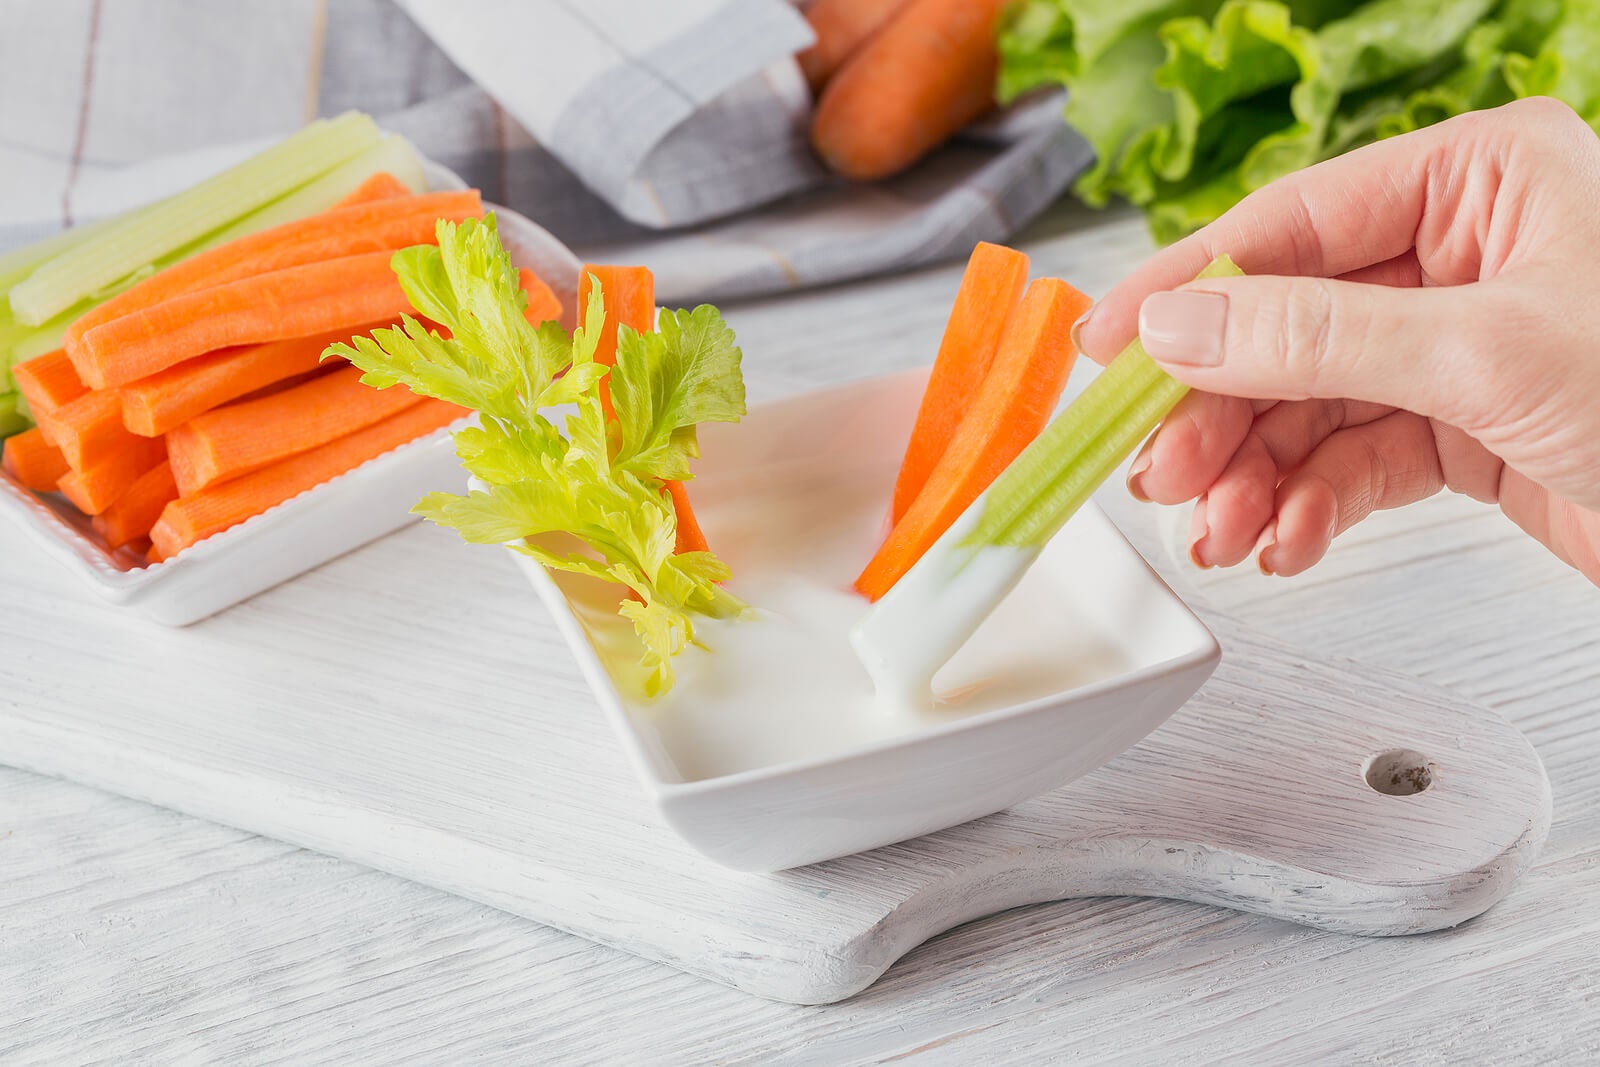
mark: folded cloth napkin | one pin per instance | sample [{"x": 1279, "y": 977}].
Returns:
[{"x": 671, "y": 134}]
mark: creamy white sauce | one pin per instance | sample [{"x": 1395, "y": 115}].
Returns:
[{"x": 786, "y": 685}]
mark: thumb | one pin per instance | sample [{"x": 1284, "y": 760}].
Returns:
[{"x": 1288, "y": 338}]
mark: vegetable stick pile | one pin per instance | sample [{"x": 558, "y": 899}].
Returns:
[
  {"x": 1002, "y": 364},
  {"x": 197, "y": 397}
]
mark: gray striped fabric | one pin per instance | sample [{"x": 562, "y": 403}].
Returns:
[{"x": 665, "y": 132}]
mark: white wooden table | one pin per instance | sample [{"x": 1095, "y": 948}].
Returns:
[{"x": 128, "y": 933}]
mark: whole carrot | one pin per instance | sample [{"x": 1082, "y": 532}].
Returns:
[
  {"x": 842, "y": 27},
  {"x": 921, "y": 78}
]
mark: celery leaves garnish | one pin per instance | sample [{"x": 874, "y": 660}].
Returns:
[{"x": 599, "y": 481}]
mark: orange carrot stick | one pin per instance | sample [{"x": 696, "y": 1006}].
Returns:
[
  {"x": 130, "y": 518},
  {"x": 842, "y": 27},
  {"x": 88, "y": 430},
  {"x": 48, "y": 381},
  {"x": 295, "y": 302},
  {"x": 166, "y": 400},
  {"x": 543, "y": 304},
  {"x": 239, "y": 438},
  {"x": 380, "y": 186},
  {"x": 690, "y": 537},
  {"x": 1016, "y": 400},
  {"x": 990, "y": 289},
  {"x": 921, "y": 78},
  {"x": 32, "y": 461},
  {"x": 93, "y": 489},
  {"x": 378, "y": 225},
  {"x": 190, "y": 519}
]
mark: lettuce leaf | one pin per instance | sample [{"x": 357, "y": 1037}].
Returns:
[
  {"x": 1190, "y": 106},
  {"x": 601, "y": 482}
]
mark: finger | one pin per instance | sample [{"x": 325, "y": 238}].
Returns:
[
  {"x": 1401, "y": 272},
  {"x": 1238, "y": 506},
  {"x": 1429, "y": 350},
  {"x": 1190, "y": 449},
  {"x": 1290, "y": 430},
  {"x": 1356, "y": 471}
]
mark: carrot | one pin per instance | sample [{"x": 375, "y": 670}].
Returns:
[
  {"x": 543, "y": 304},
  {"x": 1012, "y": 406},
  {"x": 990, "y": 289},
  {"x": 93, "y": 489},
  {"x": 239, "y": 438},
  {"x": 919, "y": 80},
  {"x": 690, "y": 537},
  {"x": 841, "y": 26},
  {"x": 380, "y": 186},
  {"x": 294, "y": 302},
  {"x": 190, "y": 519},
  {"x": 130, "y": 518},
  {"x": 48, "y": 381},
  {"x": 88, "y": 430},
  {"x": 630, "y": 299},
  {"x": 32, "y": 461},
  {"x": 377, "y": 225},
  {"x": 167, "y": 399}
]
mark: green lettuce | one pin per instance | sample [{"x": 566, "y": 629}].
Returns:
[
  {"x": 599, "y": 482},
  {"x": 1190, "y": 105}
]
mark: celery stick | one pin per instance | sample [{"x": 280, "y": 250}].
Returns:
[
  {"x": 149, "y": 234},
  {"x": 938, "y": 604},
  {"x": 12, "y": 420},
  {"x": 44, "y": 339},
  {"x": 17, "y": 264},
  {"x": 393, "y": 153}
]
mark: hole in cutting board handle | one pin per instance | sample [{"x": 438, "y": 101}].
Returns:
[{"x": 1399, "y": 772}]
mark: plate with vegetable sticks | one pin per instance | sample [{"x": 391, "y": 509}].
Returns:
[{"x": 177, "y": 436}]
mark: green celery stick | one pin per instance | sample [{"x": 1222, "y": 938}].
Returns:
[
  {"x": 17, "y": 264},
  {"x": 147, "y": 235},
  {"x": 1042, "y": 488},
  {"x": 12, "y": 420},
  {"x": 393, "y": 153}
]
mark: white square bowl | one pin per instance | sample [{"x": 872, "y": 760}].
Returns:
[
  {"x": 321, "y": 523},
  {"x": 763, "y": 764}
]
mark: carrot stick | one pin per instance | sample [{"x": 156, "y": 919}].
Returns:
[
  {"x": 48, "y": 381},
  {"x": 990, "y": 289},
  {"x": 921, "y": 78},
  {"x": 1016, "y": 400},
  {"x": 130, "y": 518},
  {"x": 239, "y": 438},
  {"x": 93, "y": 489},
  {"x": 294, "y": 302},
  {"x": 690, "y": 537},
  {"x": 190, "y": 519},
  {"x": 377, "y": 225},
  {"x": 630, "y": 299},
  {"x": 88, "y": 430},
  {"x": 842, "y": 27},
  {"x": 32, "y": 461},
  {"x": 543, "y": 304},
  {"x": 166, "y": 400},
  {"x": 380, "y": 186}
]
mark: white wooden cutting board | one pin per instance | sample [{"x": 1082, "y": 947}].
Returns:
[{"x": 410, "y": 707}]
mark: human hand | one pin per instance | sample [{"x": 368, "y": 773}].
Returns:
[{"x": 1422, "y": 313}]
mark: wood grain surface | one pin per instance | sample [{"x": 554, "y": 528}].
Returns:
[{"x": 129, "y": 933}]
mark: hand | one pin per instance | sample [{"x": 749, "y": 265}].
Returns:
[{"x": 1424, "y": 313}]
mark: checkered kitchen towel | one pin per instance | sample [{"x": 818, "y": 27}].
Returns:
[{"x": 668, "y": 132}]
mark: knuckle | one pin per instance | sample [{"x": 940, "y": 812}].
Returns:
[{"x": 1304, "y": 333}]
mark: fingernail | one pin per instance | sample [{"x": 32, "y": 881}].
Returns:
[
  {"x": 1140, "y": 464},
  {"x": 1265, "y": 544},
  {"x": 1184, "y": 328},
  {"x": 1076, "y": 333},
  {"x": 1198, "y": 532}
]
